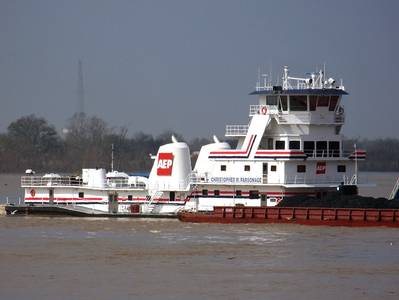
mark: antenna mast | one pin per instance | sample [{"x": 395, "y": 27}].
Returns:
[{"x": 112, "y": 157}]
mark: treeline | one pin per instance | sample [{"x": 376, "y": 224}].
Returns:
[
  {"x": 382, "y": 154},
  {"x": 32, "y": 143}
]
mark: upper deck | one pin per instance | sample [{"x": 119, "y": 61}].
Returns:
[{"x": 317, "y": 84}]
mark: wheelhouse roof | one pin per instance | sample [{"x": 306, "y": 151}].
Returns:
[{"x": 317, "y": 92}]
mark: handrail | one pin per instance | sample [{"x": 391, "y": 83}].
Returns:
[
  {"x": 28, "y": 181},
  {"x": 298, "y": 117},
  {"x": 394, "y": 190},
  {"x": 236, "y": 130},
  {"x": 196, "y": 178}
]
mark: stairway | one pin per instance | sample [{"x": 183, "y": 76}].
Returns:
[
  {"x": 394, "y": 194},
  {"x": 152, "y": 201}
]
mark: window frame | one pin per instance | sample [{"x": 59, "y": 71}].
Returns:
[
  {"x": 301, "y": 168},
  {"x": 301, "y": 103},
  {"x": 294, "y": 141},
  {"x": 282, "y": 142},
  {"x": 253, "y": 194}
]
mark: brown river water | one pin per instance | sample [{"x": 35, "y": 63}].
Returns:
[{"x": 76, "y": 258}]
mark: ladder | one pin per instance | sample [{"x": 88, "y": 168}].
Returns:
[
  {"x": 394, "y": 193},
  {"x": 151, "y": 198},
  {"x": 353, "y": 179}
]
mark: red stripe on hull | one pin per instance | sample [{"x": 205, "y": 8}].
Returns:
[
  {"x": 234, "y": 151},
  {"x": 62, "y": 199},
  {"x": 281, "y": 152}
]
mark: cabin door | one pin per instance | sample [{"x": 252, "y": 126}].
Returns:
[
  {"x": 264, "y": 173},
  {"x": 51, "y": 196},
  {"x": 113, "y": 203}
]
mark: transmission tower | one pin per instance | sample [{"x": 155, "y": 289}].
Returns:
[{"x": 80, "y": 90}]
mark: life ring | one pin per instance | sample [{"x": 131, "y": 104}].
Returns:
[
  {"x": 263, "y": 110},
  {"x": 32, "y": 193}
]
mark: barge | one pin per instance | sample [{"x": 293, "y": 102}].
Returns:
[{"x": 296, "y": 215}]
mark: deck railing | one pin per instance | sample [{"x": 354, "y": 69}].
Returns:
[
  {"x": 298, "y": 117},
  {"x": 236, "y": 130},
  {"x": 196, "y": 178},
  {"x": 28, "y": 181}
]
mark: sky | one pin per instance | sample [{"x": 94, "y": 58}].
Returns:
[{"x": 189, "y": 66}]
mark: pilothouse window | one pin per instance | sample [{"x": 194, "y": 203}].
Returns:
[
  {"x": 312, "y": 103},
  {"x": 323, "y": 101},
  {"x": 271, "y": 100},
  {"x": 333, "y": 103},
  {"x": 298, "y": 103}
]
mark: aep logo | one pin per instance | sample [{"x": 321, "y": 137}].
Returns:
[{"x": 165, "y": 164}]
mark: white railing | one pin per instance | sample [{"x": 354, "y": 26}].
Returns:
[
  {"x": 180, "y": 185},
  {"x": 297, "y": 117},
  {"x": 30, "y": 181},
  {"x": 301, "y": 179},
  {"x": 327, "y": 153},
  {"x": 263, "y": 109},
  {"x": 196, "y": 178},
  {"x": 236, "y": 130},
  {"x": 11, "y": 200}
]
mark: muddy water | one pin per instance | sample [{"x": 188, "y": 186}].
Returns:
[{"x": 72, "y": 258}]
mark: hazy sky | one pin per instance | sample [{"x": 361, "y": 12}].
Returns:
[{"x": 188, "y": 66}]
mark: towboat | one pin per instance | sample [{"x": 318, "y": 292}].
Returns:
[{"x": 292, "y": 145}]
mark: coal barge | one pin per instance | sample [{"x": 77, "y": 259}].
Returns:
[{"x": 353, "y": 210}]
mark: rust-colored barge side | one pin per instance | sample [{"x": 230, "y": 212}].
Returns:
[{"x": 297, "y": 215}]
